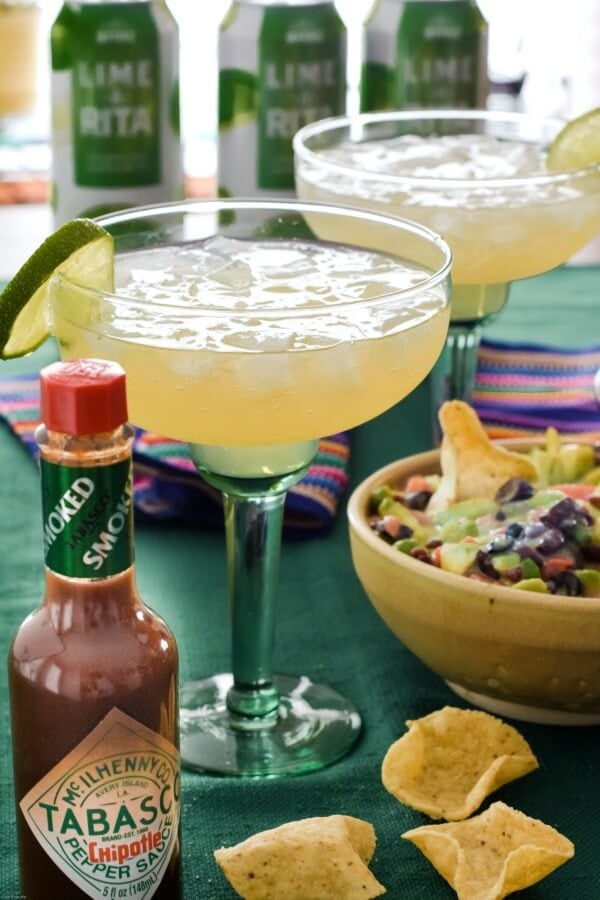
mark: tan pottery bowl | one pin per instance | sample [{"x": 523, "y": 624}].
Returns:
[{"x": 534, "y": 657}]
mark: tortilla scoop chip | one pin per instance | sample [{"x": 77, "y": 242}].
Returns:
[
  {"x": 493, "y": 854},
  {"x": 449, "y": 761},
  {"x": 472, "y": 465},
  {"x": 312, "y": 859}
]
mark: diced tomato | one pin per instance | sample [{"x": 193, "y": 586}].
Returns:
[
  {"x": 555, "y": 564},
  {"x": 577, "y": 491},
  {"x": 417, "y": 483},
  {"x": 436, "y": 556},
  {"x": 392, "y": 526}
]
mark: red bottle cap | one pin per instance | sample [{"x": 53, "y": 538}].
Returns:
[{"x": 85, "y": 396}]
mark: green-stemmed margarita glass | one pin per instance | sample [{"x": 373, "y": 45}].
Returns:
[
  {"x": 250, "y": 329},
  {"x": 477, "y": 178}
]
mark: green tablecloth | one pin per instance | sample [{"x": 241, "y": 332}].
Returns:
[{"x": 327, "y": 630}]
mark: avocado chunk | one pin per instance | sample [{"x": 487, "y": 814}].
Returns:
[
  {"x": 406, "y": 545},
  {"x": 454, "y": 530},
  {"x": 504, "y": 562},
  {"x": 529, "y": 568},
  {"x": 574, "y": 460},
  {"x": 383, "y": 492},
  {"x": 458, "y": 558},
  {"x": 467, "y": 509},
  {"x": 546, "y": 498},
  {"x": 590, "y": 579},
  {"x": 532, "y": 584}
]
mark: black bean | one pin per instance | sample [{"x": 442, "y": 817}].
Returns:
[
  {"x": 527, "y": 552},
  {"x": 550, "y": 542},
  {"x": 584, "y": 516},
  {"x": 568, "y": 525},
  {"x": 433, "y": 543},
  {"x": 514, "y": 574},
  {"x": 515, "y": 530},
  {"x": 404, "y": 531},
  {"x": 500, "y": 515},
  {"x": 566, "y": 583},
  {"x": 499, "y": 544},
  {"x": 417, "y": 499},
  {"x": 591, "y": 552},
  {"x": 559, "y": 511},
  {"x": 514, "y": 489},
  {"x": 484, "y": 561},
  {"x": 420, "y": 553},
  {"x": 597, "y": 453},
  {"x": 534, "y": 530}
]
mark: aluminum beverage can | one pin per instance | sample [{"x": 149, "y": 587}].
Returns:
[
  {"x": 115, "y": 107},
  {"x": 281, "y": 66},
  {"x": 425, "y": 54}
]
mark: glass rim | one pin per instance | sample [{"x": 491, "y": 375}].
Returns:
[
  {"x": 354, "y": 122},
  {"x": 213, "y": 206}
]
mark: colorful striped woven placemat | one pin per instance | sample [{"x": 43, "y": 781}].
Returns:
[
  {"x": 523, "y": 389},
  {"x": 167, "y": 485}
]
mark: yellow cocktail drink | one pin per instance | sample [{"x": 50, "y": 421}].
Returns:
[
  {"x": 243, "y": 343},
  {"x": 19, "y": 22},
  {"x": 477, "y": 178},
  {"x": 463, "y": 186}
]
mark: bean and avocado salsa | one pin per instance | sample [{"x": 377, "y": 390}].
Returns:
[{"x": 539, "y": 536}]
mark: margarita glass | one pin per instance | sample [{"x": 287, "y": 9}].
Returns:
[
  {"x": 489, "y": 194},
  {"x": 250, "y": 329}
]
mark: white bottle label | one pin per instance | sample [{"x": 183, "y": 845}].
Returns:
[{"x": 108, "y": 813}]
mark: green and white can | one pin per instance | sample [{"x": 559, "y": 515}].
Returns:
[
  {"x": 425, "y": 54},
  {"x": 115, "y": 106},
  {"x": 281, "y": 65}
]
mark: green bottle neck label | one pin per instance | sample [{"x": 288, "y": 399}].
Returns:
[
  {"x": 88, "y": 519},
  {"x": 302, "y": 78},
  {"x": 113, "y": 54}
]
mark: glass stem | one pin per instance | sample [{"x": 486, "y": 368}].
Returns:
[
  {"x": 462, "y": 346},
  {"x": 253, "y": 529},
  {"x": 453, "y": 377}
]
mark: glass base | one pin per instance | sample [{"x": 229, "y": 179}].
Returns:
[
  {"x": 314, "y": 727},
  {"x": 523, "y": 712}
]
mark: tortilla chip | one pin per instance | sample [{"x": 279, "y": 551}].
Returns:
[
  {"x": 449, "y": 761},
  {"x": 493, "y": 854},
  {"x": 312, "y": 859},
  {"x": 472, "y": 466}
]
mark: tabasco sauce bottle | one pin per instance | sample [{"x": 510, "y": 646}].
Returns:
[
  {"x": 92, "y": 671},
  {"x": 115, "y": 106}
]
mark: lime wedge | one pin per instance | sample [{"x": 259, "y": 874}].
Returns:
[
  {"x": 577, "y": 145},
  {"x": 83, "y": 251}
]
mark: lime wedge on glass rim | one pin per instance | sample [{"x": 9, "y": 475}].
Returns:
[
  {"x": 577, "y": 145},
  {"x": 83, "y": 251}
]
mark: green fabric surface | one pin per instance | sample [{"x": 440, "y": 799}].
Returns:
[{"x": 327, "y": 630}]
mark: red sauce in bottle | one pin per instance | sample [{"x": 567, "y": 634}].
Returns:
[{"x": 93, "y": 686}]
